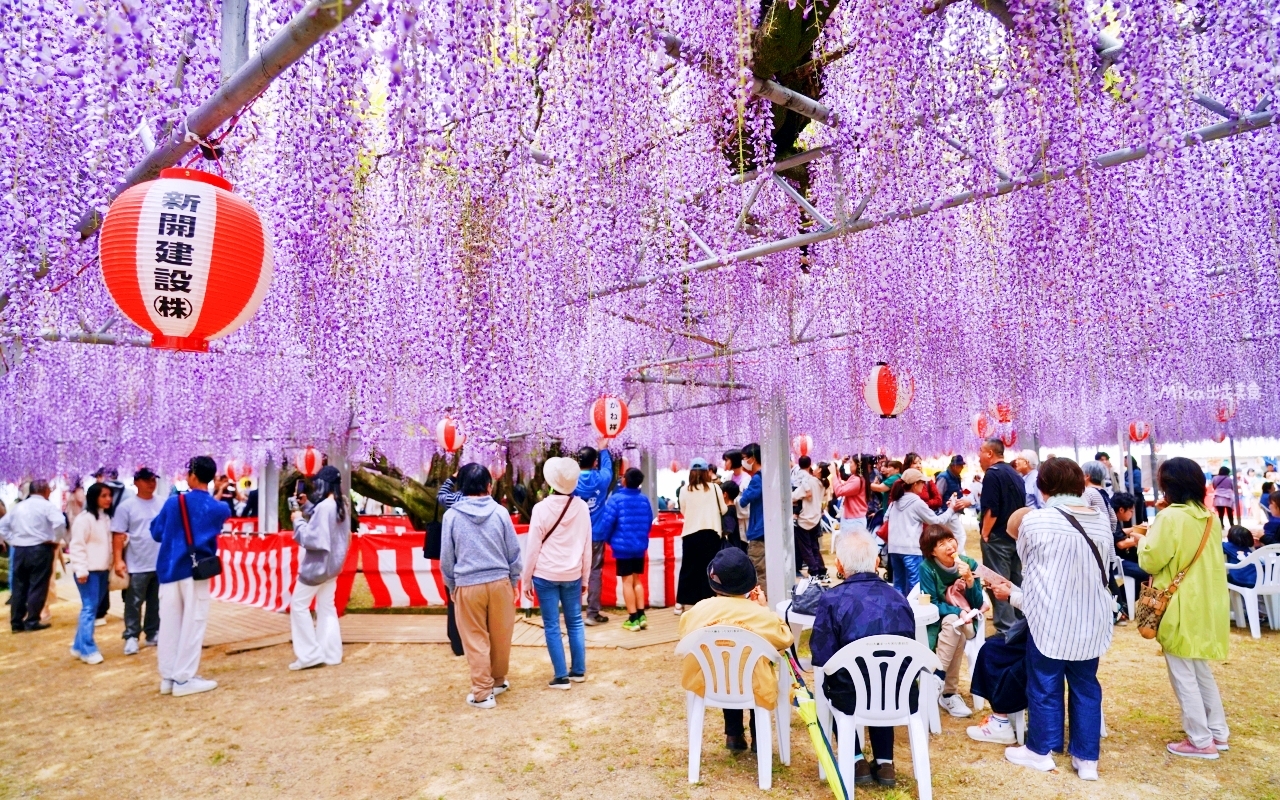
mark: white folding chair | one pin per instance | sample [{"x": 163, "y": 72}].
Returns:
[
  {"x": 1244, "y": 599},
  {"x": 971, "y": 648},
  {"x": 883, "y": 669},
  {"x": 728, "y": 656}
]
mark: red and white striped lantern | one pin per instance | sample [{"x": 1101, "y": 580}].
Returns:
[
  {"x": 609, "y": 416},
  {"x": 309, "y": 461},
  {"x": 1139, "y": 431},
  {"x": 448, "y": 436},
  {"x": 1009, "y": 436},
  {"x": 1003, "y": 413},
  {"x": 1220, "y": 437},
  {"x": 674, "y": 466},
  {"x": 802, "y": 444},
  {"x": 981, "y": 425},
  {"x": 237, "y": 469},
  {"x": 1225, "y": 411},
  {"x": 497, "y": 469},
  {"x": 887, "y": 393},
  {"x": 184, "y": 258}
]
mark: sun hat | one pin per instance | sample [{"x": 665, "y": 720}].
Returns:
[
  {"x": 912, "y": 476},
  {"x": 731, "y": 572},
  {"x": 561, "y": 474}
]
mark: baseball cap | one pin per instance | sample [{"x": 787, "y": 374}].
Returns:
[
  {"x": 957, "y": 460},
  {"x": 912, "y": 476},
  {"x": 698, "y": 463}
]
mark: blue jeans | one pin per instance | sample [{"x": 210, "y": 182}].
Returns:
[
  {"x": 1044, "y": 704},
  {"x": 551, "y": 596},
  {"x": 906, "y": 571},
  {"x": 90, "y": 596}
]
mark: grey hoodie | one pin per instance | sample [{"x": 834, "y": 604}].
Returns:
[
  {"x": 478, "y": 544},
  {"x": 324, "y": 542}
]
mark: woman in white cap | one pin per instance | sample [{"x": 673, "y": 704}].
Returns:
[
  {"x": 702, "y": 504},
  {"x": 557, "y": 564},
  {"x": 908, "y": 514}
]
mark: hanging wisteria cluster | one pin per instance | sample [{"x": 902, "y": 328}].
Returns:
[{"x": 483, "y": 209}]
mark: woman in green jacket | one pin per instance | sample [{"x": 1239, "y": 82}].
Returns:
[
  {"x": 1194, "y": 629},
  {"x": 942, "y": 567}
]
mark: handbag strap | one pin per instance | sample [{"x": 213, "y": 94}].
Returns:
[
  {"x": 1075, "y": 523},
  {"x": 1173, "y": 585},
  {"x": 186, "y": 521},
  {"x": 552, "y": 529}
]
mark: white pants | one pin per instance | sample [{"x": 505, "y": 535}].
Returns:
[
  {"x": 1203, "y": 718},
  {"x": 184, "y": 614},
  {"x": 323, "y": 640}
]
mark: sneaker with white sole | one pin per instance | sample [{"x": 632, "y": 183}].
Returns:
[
  {"x": 1186, "y": 749},
  {"x": 1087, "y": 770},
  {"x": 98, "y": 623},
  {"x": 500, "y": 688},
  {"x": 195, "y": 685},
  {"x": 995, "y": 730},
  {"x": 1222, "y": 746},
  {"x": 578, "y": 677},
  {"x": 76, "y": 653},
  {"x": 1024, "y": 757},
  {"x": 559, "y": 683},
  {"x": 92, "y": 658},
  {"x": 166, "y": 686},
  {"x": 955, "y": 706},
  {"x": 131, "y": 647},
  {"x": 299, "y": 665},
  {"x": 150, "y": 643},
  {"x": 488, "y": 702}
]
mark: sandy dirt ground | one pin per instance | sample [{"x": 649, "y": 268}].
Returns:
[{"x": 391, "y": 722}]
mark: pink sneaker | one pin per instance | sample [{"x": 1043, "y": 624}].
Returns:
[
  {"x": 1221, "y": 745},
  {"x": 1186, "y": 749}
]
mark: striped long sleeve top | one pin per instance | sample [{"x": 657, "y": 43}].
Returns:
[{"x": 1065, "y": 599}]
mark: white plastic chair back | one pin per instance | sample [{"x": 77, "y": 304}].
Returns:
[
  {"x": 728, "y": 656},
  {"x": 883, "y": 669},
  {"x": 1268, "y": 569}
]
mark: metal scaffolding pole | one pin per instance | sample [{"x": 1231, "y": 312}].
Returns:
[{"x": 779, "y": 542}]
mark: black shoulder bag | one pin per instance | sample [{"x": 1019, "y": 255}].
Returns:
[
  {"x": 552, "y": 529},
  {"x": 1075, "y": 523},
  {"x": 202, "y": 569}
]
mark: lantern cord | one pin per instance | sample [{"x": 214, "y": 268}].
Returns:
[
  {"x": 211, "y": 149},
  {"x": 79, "y": 272}
]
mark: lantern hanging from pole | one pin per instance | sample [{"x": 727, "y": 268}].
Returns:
[
  {"x": 448, "y": 437},
  {"x": 981, "y": 425},
  {"x": 184, "y": 258},
  {"x": 802, "y": 444},
  {"x": 609, "y": 415},
  {"x": 1220, "y": 436},
  {"x": 309, "y": 461},
  {"x": 237, "y": 469},
  {"x": 1139, "y": 431},
  {"x": 887, "y": 393},
  {"x": 1226, "y": 411}
]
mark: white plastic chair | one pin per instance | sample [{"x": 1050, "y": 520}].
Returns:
[
  {"x": 728, "y": 657},
  {"x": 883, "y": 669},
  {"x": 971, "y": 648},
  {"x": 1244, "y": 599}
]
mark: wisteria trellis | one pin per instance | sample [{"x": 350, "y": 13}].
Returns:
[{"x": 448, "y": 183}]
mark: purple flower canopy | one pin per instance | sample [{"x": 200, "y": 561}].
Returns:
[{"x": 457, "y": 193}]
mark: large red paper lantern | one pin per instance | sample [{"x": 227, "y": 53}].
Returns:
[
  {"x": 184, "y": 258},
  {"x": 1139, "y": 431},
  {"x": 887, "y": 393},
  {"x": 609, "y": 415},
  {"x": 981, "y": 425},
  {"x": 1220, "y": 437},
  {"x": 1009, "y": 436},
  {"x": 237, "y": 469},
  {"x": 1003, "y": 412},
  {"x": 802, "y": 444},
  {"x": 309, "y": 461},
  {"x": 674, "y": 466},
  {"x": 448, "y": 437},
  {"x": 1225, "y": 411}
]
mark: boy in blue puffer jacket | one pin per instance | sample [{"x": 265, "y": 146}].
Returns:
[{"x": 625, "y": 525}]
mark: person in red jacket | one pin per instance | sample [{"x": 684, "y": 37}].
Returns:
[{"x": 931, "y": 496}]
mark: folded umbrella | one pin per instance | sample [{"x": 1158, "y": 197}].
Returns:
[{"x": 807, "y": 709}]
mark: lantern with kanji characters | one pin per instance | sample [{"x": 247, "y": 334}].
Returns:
[
  {"x": 309, "y": 461},
  {"x": 1225, "y": 411},
  {"x": 802, "y": 444},
  {"x": 887, "y": 393},
  {"x": 448, "y": 436},
  {"x": 1003, "y": 412},
  {"x": 1139, "y": 431},
  {"x": 1009, "y": 436},
  {"x": 981, "y": 425},
  {"x": 609, "y": 415},
  {"x": 184, "y": 258}
]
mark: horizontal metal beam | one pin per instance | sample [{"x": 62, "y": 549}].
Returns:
[
  {"x": 79, "y": 337},
  {"x": 674, "y": 381},
  {"x": 785, "y": 164},
  {"x": 734, "y": 351},
  {"x": 284, "y": 49},
  {"x": 677, "y": 409},
  {"x": 1209, "y": 133}
]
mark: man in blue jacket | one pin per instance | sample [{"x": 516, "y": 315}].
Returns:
[
  {"x": 593, "y": 487},
  {"x": 752, "y": 499},
  {"x": 184, "y": 601},
  {"x": 625, "y": 524}
]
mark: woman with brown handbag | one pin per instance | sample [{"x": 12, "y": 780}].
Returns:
[{"x": 1183, "y": 551}]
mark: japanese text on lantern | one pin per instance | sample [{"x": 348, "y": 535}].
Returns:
[{"x": 174, "y": 254}]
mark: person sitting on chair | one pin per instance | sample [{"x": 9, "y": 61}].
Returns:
[
  {"x": 738, "y": 602},
  {"x": 949, "y": 578},
  {"x": 863, "y": 605}
]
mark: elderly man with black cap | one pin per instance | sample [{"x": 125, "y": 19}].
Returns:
[
  {"x": 323, "y": 535},
  {"x": 135, "y": 554},
  {"x": 738, "y": 602}
]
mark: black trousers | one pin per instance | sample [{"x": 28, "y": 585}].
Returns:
[
  {"x": 30, "y": 569},
  {"x": 1001, "y": 555},
  {"x": 733, "y": 722},
  {"x": 451, "y": 628},
  {"x": 143, "y": 588},
  {"x": 809, "y": 551},
  {"x": 104, "y": 600}
]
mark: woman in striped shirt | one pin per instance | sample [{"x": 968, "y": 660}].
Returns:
[{"x": 1066, "y": 599}]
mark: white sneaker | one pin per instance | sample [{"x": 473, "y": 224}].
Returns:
[
  {"x": 499, "y": 689},
  {"x": 1025, "y": 758},
  {"x": 995, "y": 730},
  {"x": 98, "y": 623},
  {"x": 166, "y": 686},
  {"x": 488, "y": 702},
  {"x": 297, "y": 665},
  {"x": 194, "y": 686},
  {"x": 93, "y": 658},
  {"x": 955, "y": 706},
  {"x": 75, "y": 653},
  {"x": 678, "y": 610},
  {"x": 131, "y": 647},
  {"x": 1087, "y": 770}
]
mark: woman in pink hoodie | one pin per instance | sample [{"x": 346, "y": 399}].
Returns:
[
  {"x": 557, "y": 563},
  {"x": 853, "y": 493}
]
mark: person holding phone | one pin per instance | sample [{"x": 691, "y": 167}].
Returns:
[
  {"x": 90, "y": 555},
  {"x": 320, "y": 528}
]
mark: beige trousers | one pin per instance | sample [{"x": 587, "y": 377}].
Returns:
[
  {"x": 950, "y": 651},
  {"x": 486, "y": 615}
]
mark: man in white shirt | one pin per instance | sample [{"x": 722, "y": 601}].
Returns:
[
  {"x": 136, "y": 551},
  {"x": 32, "y": 530},
  {"x": 808, "y": 522}
]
